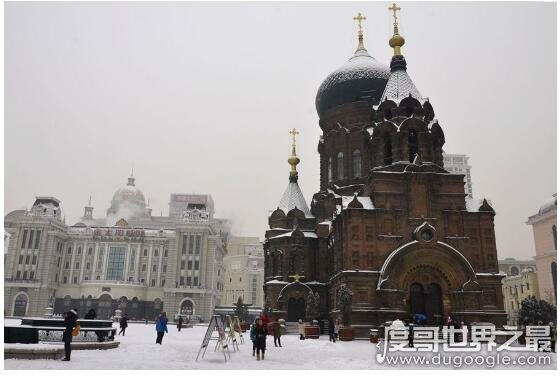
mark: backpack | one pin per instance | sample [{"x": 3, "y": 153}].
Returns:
[{"x": 76, "y": 330}]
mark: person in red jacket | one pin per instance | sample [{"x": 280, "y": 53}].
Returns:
[{"x": 266, "y": 321}]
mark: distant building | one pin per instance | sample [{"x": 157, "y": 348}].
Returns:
[
  {"x": 544, "y": 233},
  {"x": 521, "y": 282},
  {"x": 244, "y": 272},
  {"x": 458, "y": 164},
  {"x": 128, "y": 260}
]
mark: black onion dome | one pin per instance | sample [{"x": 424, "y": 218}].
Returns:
[{"x": 361, "y": 78}]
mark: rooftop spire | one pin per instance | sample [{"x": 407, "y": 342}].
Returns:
[
  {"x": 131, "y": 178},
  {"x": 293, "y": 160},
  {"x": 360, "y": 18},
  {"x": 89, "y": 204},
  {"x": 396, "y": 41}
]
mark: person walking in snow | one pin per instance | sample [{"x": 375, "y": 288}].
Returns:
[
  {"x": 70, "y": 321},
  {"x": 301, "y": 329},
  {"x": 336, "y": 328},
  {"x": 260, "y": 335},
  {"x": 276, "y": 331},
  {"x": 331, "y": 330},
  {"x": 179, "y": 323},
  {"x": 123, "y": 323},
  {"x": 253, "y": 335},
  {"x": 161, "y": 327}
]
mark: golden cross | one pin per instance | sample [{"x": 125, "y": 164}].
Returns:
[
  {"x": 359, "y": 18},
  {"x": 293, "y": 132},
  {"x": 394, "y": 9}
]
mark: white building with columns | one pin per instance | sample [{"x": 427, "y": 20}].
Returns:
[{"x": 128, "y": 260}]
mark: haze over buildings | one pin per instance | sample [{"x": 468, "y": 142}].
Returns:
[{"x": 200, "y": 97}]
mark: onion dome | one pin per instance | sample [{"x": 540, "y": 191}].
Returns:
[{"x": 361, "y": 78}]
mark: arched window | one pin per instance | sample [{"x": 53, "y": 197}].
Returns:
[
  {"x": 387, "y": 151},
  {"x": 554, "y": 235},
  {"x": 296, "y": 263},
  {"x": 340, "y": 166},
  {"x": 514, "y": 270},
  {"x": 412, "y": 145},
  {"x": 330, "y": 167},
  {"x": 356, "y": 164}
]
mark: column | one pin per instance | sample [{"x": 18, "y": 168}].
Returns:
[
  {"x": 94, "y": 266},
  {"x": 82, "y": 263},
  {"x": 74, "y": 250},
  {"x": 158, "y": 280},
  {"x": 149, "y": 274},
  {"x": 137, "y": 266},
  {"x": 126, "y": 254},
  {"x": 105, "y": 262}
]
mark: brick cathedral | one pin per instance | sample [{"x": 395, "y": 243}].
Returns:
[{"x": 389, "y": 221}]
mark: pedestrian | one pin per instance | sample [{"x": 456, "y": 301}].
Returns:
[
  {"x": 276, "y": 330},
  {"x": 253, "y": 335},
  {"x": 161, "y": 327},
  {"x": 552, "y": 336},
  {"x": 123, "y": 323},
  {"x": 70, "y": 321},
  {"x": 336, "y": 329},
  {"x": 91, "y": 315},
  {"x": 301, "y": 329},
  {"x": 331, "y": 330},
  {"x": 410, "y": 335},
  {"x": 260, "y": 335},
  {"x": 266, "y": 321},
  {"x": 180, "y": 323}
]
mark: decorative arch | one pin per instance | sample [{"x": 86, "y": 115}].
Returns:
[
  {"x": 451, "y": 265},
  {"x": 409, "y": 106},
  {"x": 20, "y": 304}
]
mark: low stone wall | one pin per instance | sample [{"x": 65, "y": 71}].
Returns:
[{"x": 51, "y": 352}]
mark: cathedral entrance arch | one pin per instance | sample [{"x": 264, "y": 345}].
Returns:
[{"x": 296, "y": 309}]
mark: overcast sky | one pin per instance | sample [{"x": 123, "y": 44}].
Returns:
[{"x": 200, "y": 97}]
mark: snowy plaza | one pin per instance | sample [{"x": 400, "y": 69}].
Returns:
[{"x": 138, "y": 350}]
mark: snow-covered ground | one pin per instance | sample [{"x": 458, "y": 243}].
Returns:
[{"x": 138, "y": 350}]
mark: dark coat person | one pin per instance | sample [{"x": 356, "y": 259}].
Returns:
[
  {"x": 276, "y": 331},
  {"x": 331, "y": 331},
  {"x": 260, "y": 335},
  {"x": 124, "y": 324},
  {"x": 161, "y": 327},
  {"x": 70, "y": 321},
  {"x": 180, "y": 323}
]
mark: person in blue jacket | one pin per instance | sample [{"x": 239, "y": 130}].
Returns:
[
  {"x": 253, "y": 335},
  {"x": 161, "y": 327}
]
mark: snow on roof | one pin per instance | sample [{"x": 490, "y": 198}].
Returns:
[
  {"x": 293, "y": 198},
  {"x": 276, "y": 282},
  {"x": 400, "y": 86},
  {"x": 307, "y": 234},
  {"x": 365, "y": 201}
]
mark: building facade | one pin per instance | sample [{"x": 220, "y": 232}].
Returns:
[
  {"x": 244, "y": 272},
  {"x": 459, "y": 164},
  {"x": 521, "y": 282},
  {"x": 544, "y": 235},
  {"x": 389, "y": 222},
  {"x": 128, "y": 260}
]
